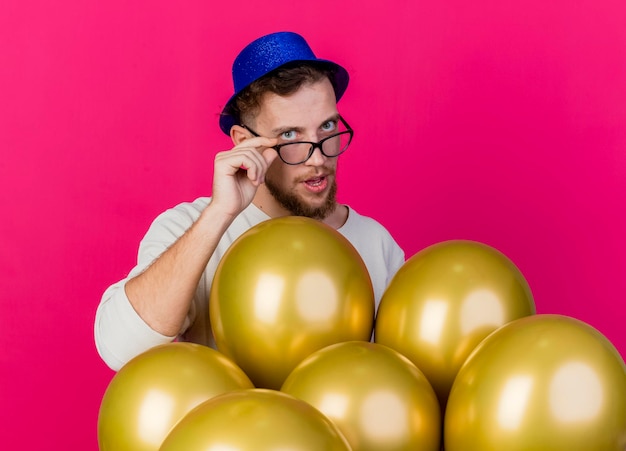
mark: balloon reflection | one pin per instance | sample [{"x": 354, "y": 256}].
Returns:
[
  {"x": 433, "y": 321},
  {"x": 481, "y": 309},
  {"x": 513, "y": 402},
  {"x": 316, "y": 297},
  {"x": 154, "y": 417},
  {"x": 267, "y": 298},
  {"x": 384, "y": 418},
  {"x": 334, "y": 404},
  {"x": 568, "y": 402}
]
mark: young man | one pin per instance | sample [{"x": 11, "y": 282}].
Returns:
[{"x": 287, "y": 135}]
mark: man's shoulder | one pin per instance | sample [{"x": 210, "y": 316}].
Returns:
[
  {"x": 195, "y": 206},
  {"x": 356, "y": 219},
  {"x": 371, "y": 238},
  {"x": 362, "y": 227},
  {"x": 185, "y": 214},
  {"x": 184, "y": 211}
]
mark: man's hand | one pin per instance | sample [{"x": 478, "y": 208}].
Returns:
[{"x": 239, "y": 172}]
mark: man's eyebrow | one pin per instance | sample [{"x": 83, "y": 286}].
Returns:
[
  {"x": 286, "y": 128},
  {"x": 334, "y": 117},
  {"x": 280, "y": 130}
]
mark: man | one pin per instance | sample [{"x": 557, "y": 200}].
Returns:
[{"x": 284, "y": 95}]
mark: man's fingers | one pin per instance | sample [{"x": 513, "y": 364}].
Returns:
[
  {"x": 270, "y": 154},
  {"x": 252, "y": 156},
  {"x": 249, "y": 160},
  {"x": 258, "y": 143}
]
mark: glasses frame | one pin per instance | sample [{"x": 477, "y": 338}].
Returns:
[{"x": 314, "y": 145}]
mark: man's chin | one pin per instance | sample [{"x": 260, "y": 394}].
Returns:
[
  {"x": 319, "y": 209},
  {"x": 321, "y": 213},
  {"x": 315, "y": 210}
]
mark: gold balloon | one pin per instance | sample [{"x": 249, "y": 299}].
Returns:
[
  {"x": 284, "y": 289},
  {"x": 255, "y": 420},
  {"x": 157, "y": 388},
  {"x": 545, "y": 382},
  {"x": 377, "y": 397},
  {"x": 444, "y": 300}
]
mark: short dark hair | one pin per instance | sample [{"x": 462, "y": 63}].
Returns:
[{"x": 283, "y": 81}]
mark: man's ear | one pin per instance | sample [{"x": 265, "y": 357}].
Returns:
[{"x": 239, "y": 134}]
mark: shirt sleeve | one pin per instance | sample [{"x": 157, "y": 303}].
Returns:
[{"x": 120, "y": 333}]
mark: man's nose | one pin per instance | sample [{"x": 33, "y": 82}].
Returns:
[{"x": 317, "y": 158}]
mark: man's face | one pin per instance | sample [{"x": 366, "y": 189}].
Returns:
[{"x": 310, "y": 114}]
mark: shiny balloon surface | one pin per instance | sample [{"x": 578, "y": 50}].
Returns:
[
  {"x": 284, "y": 289},
  {"x": 546, "y": 382},
  {"x": 255, "y": 420},
  {"x": 377, "y": 397},
  {"x": 444, "y": 300},
  {"x": 149, "y": 394}
]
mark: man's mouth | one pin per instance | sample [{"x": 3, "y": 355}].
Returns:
[{"x": 316, "y": 184}]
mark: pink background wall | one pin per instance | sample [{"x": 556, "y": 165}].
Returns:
[{"x": 494, "y": 120}]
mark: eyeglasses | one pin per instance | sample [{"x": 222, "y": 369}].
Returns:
[{"x": 298, "y": 152}]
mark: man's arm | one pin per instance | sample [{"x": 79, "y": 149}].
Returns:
[{"x": 161, "y": 295}]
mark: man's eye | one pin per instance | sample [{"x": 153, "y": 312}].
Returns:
[
  {"x": 288, "y": 135},
  {"x": 329, "y": 126}
]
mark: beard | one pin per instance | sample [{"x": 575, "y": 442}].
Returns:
[{"x": 298, "y": 207}]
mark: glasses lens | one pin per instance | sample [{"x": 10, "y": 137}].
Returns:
[
  {"x": 295, "y": 153},
  {"x": 336, "y": 145}
]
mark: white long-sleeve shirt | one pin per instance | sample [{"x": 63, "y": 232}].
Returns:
[{"x": 121, "y": 334}]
